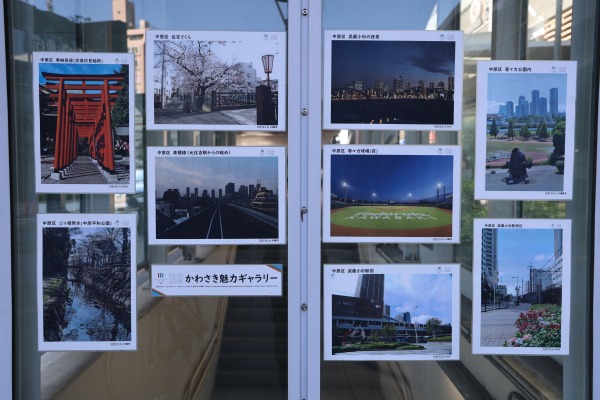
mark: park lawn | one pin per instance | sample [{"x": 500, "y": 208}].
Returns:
[
  {"x": 391, "y": 217},
  {"x": 532, "y": 146}
]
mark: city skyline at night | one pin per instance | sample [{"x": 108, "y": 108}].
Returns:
[{"x": 384, "y": 61}]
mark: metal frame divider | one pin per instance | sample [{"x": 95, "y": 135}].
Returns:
[
  {"x": 304, "y": 199},
  {"x": 296, "y": 238},
  {"x": 596, "y": 276},
  {"x": 6, "y": 365},
  {"x": 314, "y": 137}
]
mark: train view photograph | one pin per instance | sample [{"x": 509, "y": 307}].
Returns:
[{"x": 222, "y": 199}]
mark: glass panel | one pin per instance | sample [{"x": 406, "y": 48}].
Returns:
[
  {"x": 494, "y": 30},
  {"x": 188, "y": 347}
]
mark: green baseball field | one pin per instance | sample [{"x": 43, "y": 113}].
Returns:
[{"x": 391, "y": 221}]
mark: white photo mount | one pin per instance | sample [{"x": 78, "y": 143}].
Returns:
[
  {"x": 216, "y": 80},
  {"x": 393, "y": 80},
  {"x": 216, "y": 195},
  {"x": 217, "y": 280},
  {"x": 76, "y": 308},
  {"x": 423, "y": 300},
  {"x": 78, "y": 147},
  {"x": 521, "y": 272},
  {"x": 520, "y": 105},
  {"x": 395, "y": 194}
]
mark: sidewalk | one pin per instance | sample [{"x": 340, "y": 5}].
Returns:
[{"x": 498, "y": 326}]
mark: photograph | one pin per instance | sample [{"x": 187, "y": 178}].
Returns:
[
  {"x": 216, "y": 195},
  {"x": 525, "y": 130},
  {"x": 521, "y": 284},
  {"x": 86, "y": 282},
  {"x": 216, "y": 80},
  {"x": 217, "y": 280},
  {"x": 84, "y": 122},
  {"x": 393, "y": 79},
  {"x": 391, "y": 312},
  {"x": 397, "y": 194}
]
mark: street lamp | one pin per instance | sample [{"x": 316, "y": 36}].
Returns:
[
  {"x": 345, "y": 185},
  {"x": 267, "y": 61},
  {"x": 374, "y": 196},
  {"x": 517, "y": 289},
  {"x": 415, "y": 323},
  {"x": 409, "y": 196}
]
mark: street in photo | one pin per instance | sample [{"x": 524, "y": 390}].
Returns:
[{"x": 521, "y": 286}]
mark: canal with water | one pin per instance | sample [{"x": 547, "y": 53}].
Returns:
[{"x": 92, "y": 317}]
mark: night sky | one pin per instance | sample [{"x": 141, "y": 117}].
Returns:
[
  {"x": 390, "y": 177},
  {"x": 370, "y": 61}
]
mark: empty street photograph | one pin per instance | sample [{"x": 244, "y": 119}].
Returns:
[{"x": 521, "y": 285}]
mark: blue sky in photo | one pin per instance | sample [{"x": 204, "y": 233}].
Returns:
[
  {"x": 517, "y": 248},
  {"x": 503, "y": 87},
  {"x": 75, "y": 68},
  {"x": 214, "y": 173},
  {"x": 384, "y": 60},
  {"x": 432, "y": 293},
  {"x": 391, "y": 177}
]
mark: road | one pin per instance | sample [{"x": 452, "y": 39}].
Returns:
[
  {"x": 221, "y": 221},
  {"x": 175, "y": 112}
]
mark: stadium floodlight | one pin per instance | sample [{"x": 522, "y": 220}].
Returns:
[
  {"x": 345, "y": 185},
  {"x": 409, "y": 198}
]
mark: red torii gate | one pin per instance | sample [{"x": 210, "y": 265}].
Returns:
[{"x": 84, "y": 105}]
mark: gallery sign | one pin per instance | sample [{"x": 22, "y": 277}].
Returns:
[{"x": 217, "y": 280}]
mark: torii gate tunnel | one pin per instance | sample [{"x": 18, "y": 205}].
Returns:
[{"x": 84, "y": 105}]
